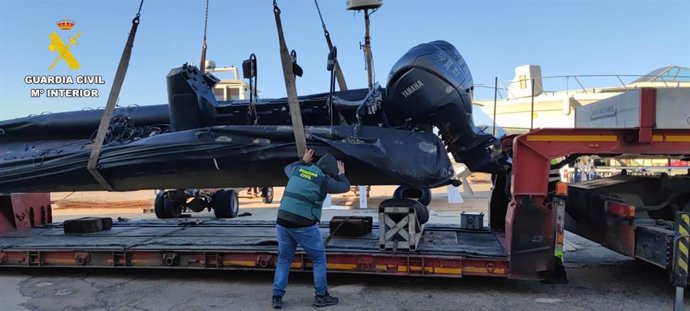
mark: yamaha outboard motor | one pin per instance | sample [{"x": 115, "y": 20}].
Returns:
[{"x": 432, "y": 85}]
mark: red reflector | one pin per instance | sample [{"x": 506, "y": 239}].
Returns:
[
  {"x": 561, "y": 188},
  {"x": 620, "y": 209}
]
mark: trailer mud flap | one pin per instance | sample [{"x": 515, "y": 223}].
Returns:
[{"x": 531, "y": 250}]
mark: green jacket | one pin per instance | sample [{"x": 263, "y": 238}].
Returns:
[{"x": 306, "y": 189}]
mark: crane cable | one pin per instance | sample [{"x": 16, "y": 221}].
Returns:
[
  {"x": 290, "y": 86},
  {"x": 110, "y": 106},
  {"x": 342, "y": 85},
  {"x": 202, "y": 63}
]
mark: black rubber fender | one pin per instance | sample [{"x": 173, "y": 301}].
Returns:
[
  {"x": 421, "y": 210},
  {"x": 423, "y": 195}
]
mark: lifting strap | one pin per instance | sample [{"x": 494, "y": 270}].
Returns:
[
  {"x": 202, "y": 63},
  {"x": 338, "y": 73},
  {"x": 110, "y": 106},
  {"x": 291, "y": 88}
]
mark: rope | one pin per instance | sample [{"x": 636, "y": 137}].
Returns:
[
  {"x": 331, "y": 235},
  {"x": 110, "y": 106},
  {"x": 123, "y": 130}
]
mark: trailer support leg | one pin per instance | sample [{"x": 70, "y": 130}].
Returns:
[
  {"x": 678, "y": 302},
  {"x": 363, "y": 195}
]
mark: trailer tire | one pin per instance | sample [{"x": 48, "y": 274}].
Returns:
[
  {"x": 226, "y": 204},
  {"x": 172, "y": 208},
  {"x": 158, "y": 207},
  {"x": 422, "y": 195},
  {"x": 165, "y": 207},
  {"x": 267, "y": 195}
]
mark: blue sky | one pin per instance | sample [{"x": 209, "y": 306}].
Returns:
[{"x": 563, "y": 36}]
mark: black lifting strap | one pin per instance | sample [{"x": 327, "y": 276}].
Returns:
[
  {"x": 110, "y": 106},
  {"x": 290, "y": 86}
]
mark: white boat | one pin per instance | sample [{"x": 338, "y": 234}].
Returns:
[
  {"x": 228, "y": 88},
  {"x": 527, "y": 103}
]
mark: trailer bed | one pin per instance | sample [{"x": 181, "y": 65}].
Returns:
[{"x": 446, "y": 250}]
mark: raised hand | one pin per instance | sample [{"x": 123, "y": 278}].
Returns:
[
  {"x": 308, "y": 156},
  {"x": 341, "y": 168}
]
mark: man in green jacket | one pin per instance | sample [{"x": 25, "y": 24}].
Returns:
[{"x": 298, "y": 221}]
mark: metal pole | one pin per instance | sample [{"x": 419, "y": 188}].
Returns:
[
  {"x": 678, "y": 302},
  {"x": 495, "y": 94},
  {"x": 363, "y": 197},
  {"x": 367, "y": 49},
  {"x": 531, "y": 117},
  {"x": 202, "y": 63}
]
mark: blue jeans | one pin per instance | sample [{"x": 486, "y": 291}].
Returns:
[{"x": 310, "y": 240}]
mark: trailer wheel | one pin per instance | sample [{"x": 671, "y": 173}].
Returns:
[
  {"x": 158, "y": 205},
  {"x": 172, "y": 208},
  {"x": 267, "y": 194},
  {"x": 225, "y": 204},
  {"x": 166, "y": 208},
  {"x": 423, "y": 195}
]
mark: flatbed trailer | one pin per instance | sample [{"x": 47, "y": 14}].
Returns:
[
  {"x": 524, "y": 233},
  {"x": 446, "y": 251}
]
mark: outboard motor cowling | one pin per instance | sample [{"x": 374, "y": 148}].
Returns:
[
  {"x": 432, "y": 85},
  {"x": 190, "y": 94}
]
